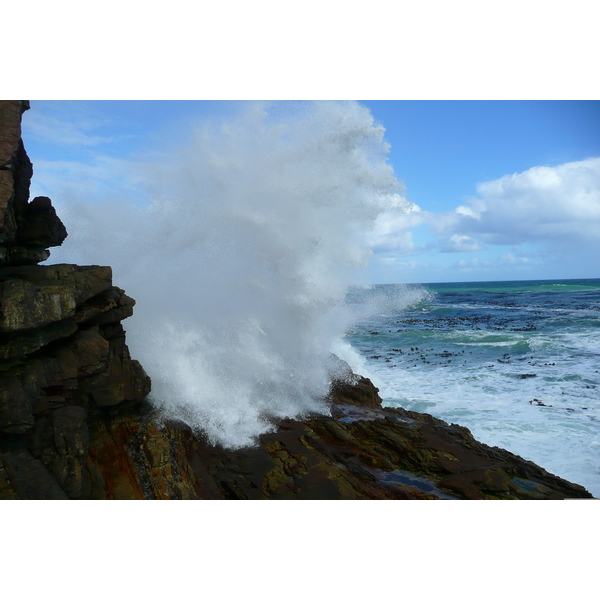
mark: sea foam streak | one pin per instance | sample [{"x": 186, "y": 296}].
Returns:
[{"x": 241, "y": 262}]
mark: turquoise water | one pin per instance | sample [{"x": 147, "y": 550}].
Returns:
[{"x": 516, "y": 362}]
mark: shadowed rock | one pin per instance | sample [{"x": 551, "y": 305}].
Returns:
[
  {"x": 63, "y": 355},
  {"x": 41, "y": 225},
  {"x": 27, "y": 229}
]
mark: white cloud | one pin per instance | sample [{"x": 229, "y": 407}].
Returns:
[
  {"x": 459, "y": 243},
  {"x": 543, "y": 204},
  {"x": 546, "y": 218},
  {"x": 468, "y": 211}
]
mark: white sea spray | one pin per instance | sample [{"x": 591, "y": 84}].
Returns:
[{"x": 241, "y": 261}]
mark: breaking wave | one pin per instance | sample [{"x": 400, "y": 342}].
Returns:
[{"x": 241, "y": 259}]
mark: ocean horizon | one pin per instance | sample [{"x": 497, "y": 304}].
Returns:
[{"x": 517, "y": 362}]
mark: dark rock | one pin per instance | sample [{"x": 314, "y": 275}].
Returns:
[
  {"x": 16, "y": 406},
  {"x": 361, "y": 392},
  {"x": 20, "y": 255},
  {"x": 63, "y": 354},
  {"x": 22, "y": 477},
  {"x": 19, "y": 346},
  {"x": 124, "y": 379},
  {"x": 11, "y": 154},
  {"x": 41, "y": 226},
  {"x": 10, "y": 128},
  {"x": 15, "y": 170},
  {"x": 27, "y": 229},
  {"x": 60, "y": 442}
]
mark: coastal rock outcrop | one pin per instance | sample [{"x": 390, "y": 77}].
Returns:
[
  {"x": 63, "y": 355},
  {"x": 75, "y": 422},
  {"x": 361, "y": 451}
]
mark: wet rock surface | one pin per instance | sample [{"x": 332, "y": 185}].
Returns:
[{"x": 359, "y": 452}]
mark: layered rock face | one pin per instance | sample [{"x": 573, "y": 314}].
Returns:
[
  {"x": 74, "y": 421},
  {"x": 63, "y": 355}
]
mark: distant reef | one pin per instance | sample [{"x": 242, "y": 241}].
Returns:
[{"x": 75, "y": 421}]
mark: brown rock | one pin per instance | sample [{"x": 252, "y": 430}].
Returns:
[
  {"x": 360, "y": 452},
  {"x": 10, "y": 128},
  {"x": 110, "y": 306},
  {"x": 91, "y": 350},
  {"x": 27, "y": 306},
  {"x": 62, "y": 348},
  {"x": 123, "y": 380},
  {"x": 20, "y": 346},
  {"x": 34, "y": 296},
  {"x": 60, "y": 442}
]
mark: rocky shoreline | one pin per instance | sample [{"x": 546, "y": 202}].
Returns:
[
  {"x": 76, "y": 423},
  {"x": 361, "y": 451}
]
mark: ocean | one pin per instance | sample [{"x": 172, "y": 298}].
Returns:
[{"x": 517, "y": 362}]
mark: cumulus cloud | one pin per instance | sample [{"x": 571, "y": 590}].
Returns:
[
  {"x": 547, "y": 218},
  {"x": 542, "y": 204}
]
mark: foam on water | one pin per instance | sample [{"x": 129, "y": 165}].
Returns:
[
  {"x": 562, "y": 435},
  {"x": 241, "y": 262},
  {"x": 534, "y": 392}
]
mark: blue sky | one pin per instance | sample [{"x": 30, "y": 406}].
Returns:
[
  {"x": 444, "y": 150},
  {"x": 503, "y": 189}
]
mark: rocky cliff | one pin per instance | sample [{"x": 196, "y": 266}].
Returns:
[
  {"x": 63, "y": 355},
  {"x": 74, "y": 421}
]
